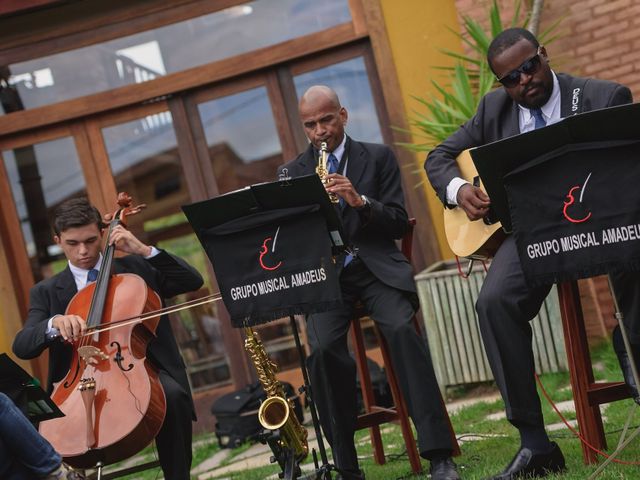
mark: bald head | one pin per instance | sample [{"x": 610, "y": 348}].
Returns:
[
  {"x": 323, "y": 118},
  {"x": 320, "y": 93}
]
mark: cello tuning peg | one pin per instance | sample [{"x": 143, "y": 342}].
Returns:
[{"x": 137, "y": 208}]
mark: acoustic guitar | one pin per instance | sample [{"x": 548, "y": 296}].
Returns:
[{"x": 470, "y": 239}]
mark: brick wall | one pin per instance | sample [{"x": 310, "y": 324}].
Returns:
[{"x": 597, "y": 38}]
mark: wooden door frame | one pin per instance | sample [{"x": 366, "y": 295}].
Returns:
[
  {"x": 22, "y": 278},
  {"x": 9, "y": 221}
]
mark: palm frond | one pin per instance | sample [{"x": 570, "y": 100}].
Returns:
[{"x": 457, "y": 97}]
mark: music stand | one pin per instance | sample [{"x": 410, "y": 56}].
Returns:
[
  {"x": 25, "y": 391},
  {"x": 284, "y": 199},
  {"x": 497, "y": 159},
  {"x": 563, "y": 158}
]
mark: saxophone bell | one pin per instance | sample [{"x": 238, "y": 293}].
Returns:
[{"x": 275, "y": 413}]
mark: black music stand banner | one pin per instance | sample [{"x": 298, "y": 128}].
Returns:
[
  {"x": 271, "y": 252},
  {"x": 576, "y": 213},
  {"x": 570, "y": 194}
]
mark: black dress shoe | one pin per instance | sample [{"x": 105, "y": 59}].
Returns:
[
  {"x": 443, "y": 469},
  {"x": 625, "y": 364},
  {"x": 527, "y": 464}
]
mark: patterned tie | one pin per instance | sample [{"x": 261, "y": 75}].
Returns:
[
  {"x": 333, "y": 168},
  {"x": 333, "y": 163},
  {"x": 92, "y": 276},
  {"x": 347, "y": 259},
  {"x": 539, "y": 119}
]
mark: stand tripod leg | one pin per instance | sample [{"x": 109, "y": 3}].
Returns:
[
  {"x": 627, "y": 344},
  {"x": 290, "y": 467},
  {"x": 623, "y": 435},
  {"x": 622, "y": 443},
  {"x": 621, "y": 447},
  {"x": 99, "y": 466},
  {"x": 325, "y": 469}
]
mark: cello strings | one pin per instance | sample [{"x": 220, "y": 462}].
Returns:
[{"x": 104, "y": 275}]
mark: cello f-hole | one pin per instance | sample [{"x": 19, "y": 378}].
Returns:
[
  {"x": 75, "y": 375},
  {"x": 118, "y": 358}
]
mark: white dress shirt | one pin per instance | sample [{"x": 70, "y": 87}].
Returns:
[
  {"x": 80, "y": 275},
  {"x": 526, "y": 122},
  {"x": 338, "y": 153}
]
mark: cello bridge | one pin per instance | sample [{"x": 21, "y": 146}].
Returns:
[{"x": 91, "y": 355}]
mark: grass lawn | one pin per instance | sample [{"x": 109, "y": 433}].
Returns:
[{"x": 497, "y": 442}]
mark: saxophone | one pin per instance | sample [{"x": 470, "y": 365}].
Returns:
[
  {"x": 276, "y": 412},
  {"x": 322, "y": 171}
]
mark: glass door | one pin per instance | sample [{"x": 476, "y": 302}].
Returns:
[
  {"x": 352, "y": 81},
  {"x": 142, "y": 149},
  {"x": 38, "y": 171},
  {"x": 244, "y": 136},
  {"x": 41, "y": 175}
]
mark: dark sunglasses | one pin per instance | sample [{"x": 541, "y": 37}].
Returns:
[{"x": 528, "y": 67}]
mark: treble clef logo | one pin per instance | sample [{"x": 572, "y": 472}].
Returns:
[
  {"x": 265, "y": 249},
  {"x": 570, "y": 201}
]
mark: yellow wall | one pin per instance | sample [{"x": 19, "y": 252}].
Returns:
[
  {"x": 417, "y": 29},
  {"x": 10, "y": 321}
]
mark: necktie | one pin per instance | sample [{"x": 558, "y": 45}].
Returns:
[
  {"x": 92, "y": 276},
  {"x": 333, "y": 164},
  {"x": 333, "y": 168},
  {"x": 539, "y": 119},
  {"x": 347, "y": 259}
]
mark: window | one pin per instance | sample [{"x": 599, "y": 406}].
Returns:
[
  {"x": 42, "y": 176},
  {"x": 350, "y": 80},
  {"x": 173, "y": 48}
]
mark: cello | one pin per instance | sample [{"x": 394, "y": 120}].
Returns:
[{"x": 113, "y": 401}]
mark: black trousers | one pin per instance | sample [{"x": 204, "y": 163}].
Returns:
[
  {"x": 505, "y": 307},
  {"x": 333, "y": 371},
  {"x": 626, "y": 286},
  {"x": 174, "y": 439}
]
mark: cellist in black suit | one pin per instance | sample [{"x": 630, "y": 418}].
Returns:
[
  {"x": 78, "y": 232},
  {"x": 366, "y": 178}
]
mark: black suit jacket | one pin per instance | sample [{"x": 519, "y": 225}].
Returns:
[
  {"x": 165, "y": 274},
  {"x": 373, "y": 171},
  {"x": 497, "y": 118}
]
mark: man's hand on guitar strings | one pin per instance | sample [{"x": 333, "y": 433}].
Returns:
[{"x": 473, "y": 201}]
